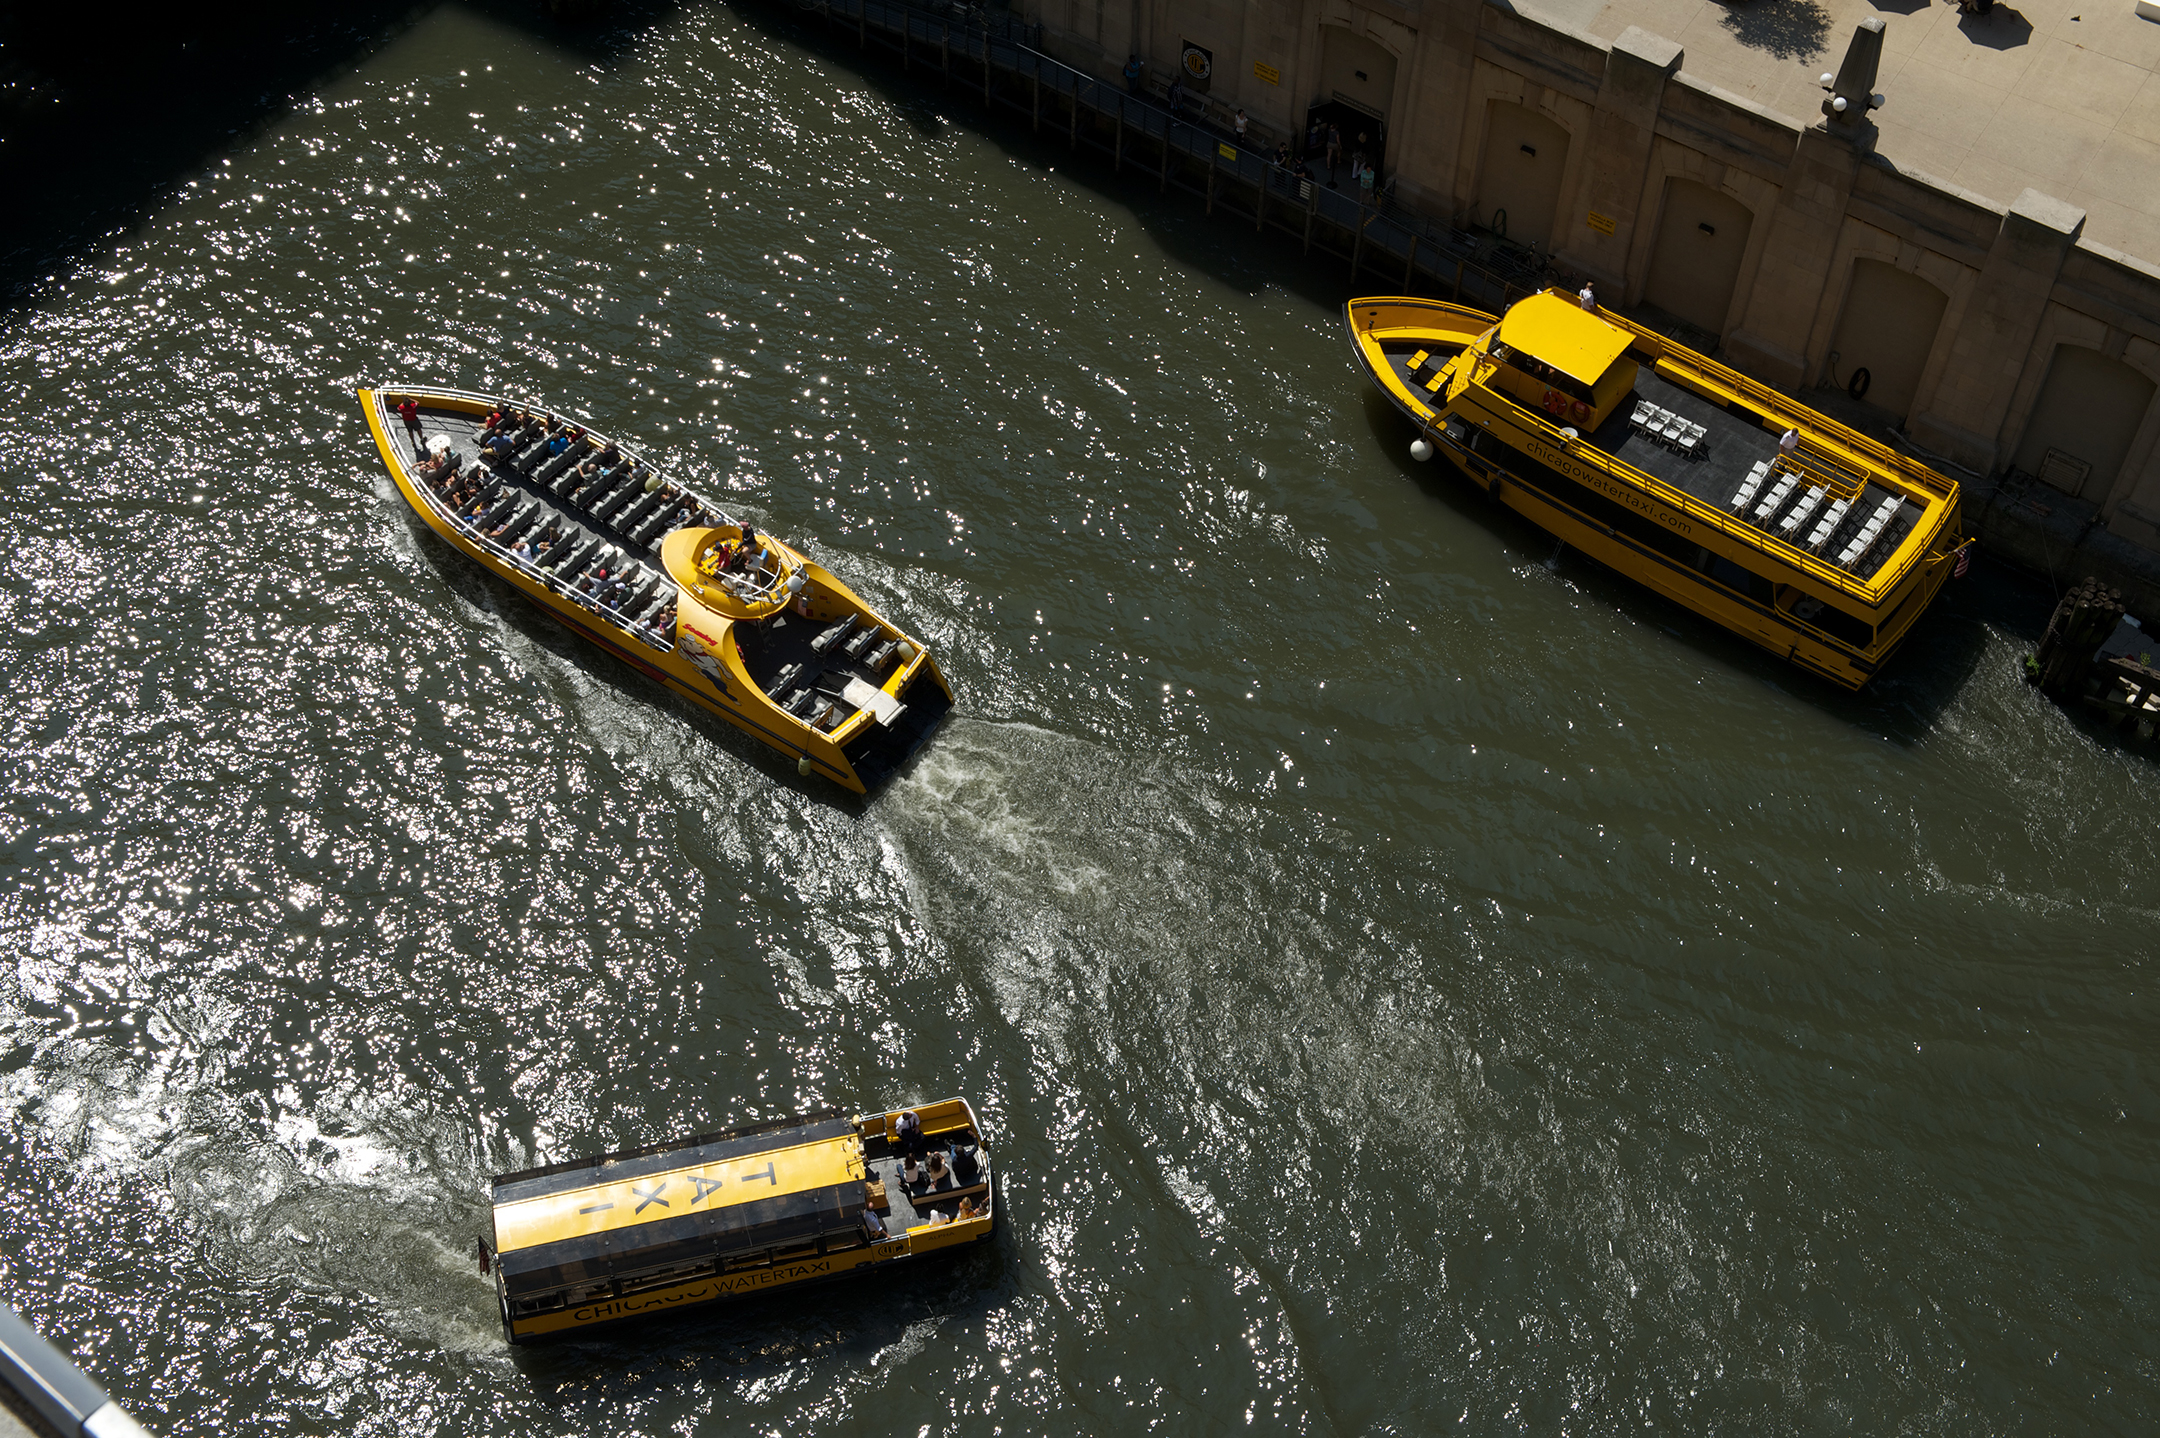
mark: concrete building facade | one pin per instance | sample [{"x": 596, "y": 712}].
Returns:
[{"x": 1991, "y": 330}]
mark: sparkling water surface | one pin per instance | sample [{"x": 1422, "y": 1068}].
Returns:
[{"x": 1415, "y": 981}]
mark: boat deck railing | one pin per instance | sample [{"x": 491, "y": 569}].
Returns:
[
  {"x": 503, "y": 554},
  {"x": 1721, "y": 520},
  {"x": 1728, "y": 387}
]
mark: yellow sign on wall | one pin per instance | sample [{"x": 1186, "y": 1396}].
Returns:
[
  {"x": 1266, "y": 72},
  {"x": 1603, "y": 224},
  {"x": 1225, "y": 151}
]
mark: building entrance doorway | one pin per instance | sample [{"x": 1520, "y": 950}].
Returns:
[
  {"x": 1356, "y": 94},
  {"x": 1351, "y": 122}
]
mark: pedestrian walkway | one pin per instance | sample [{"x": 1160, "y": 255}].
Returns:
[{"x": 2059, "y": 95}]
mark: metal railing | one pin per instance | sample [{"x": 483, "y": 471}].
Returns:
[
  {"x": 1380, "y": 234},
  {"x": 58, "y": 1394},
  {"x": 504, "y": 554}
]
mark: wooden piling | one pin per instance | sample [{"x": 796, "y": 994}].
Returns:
[
  {"x": 1075, "y": 141},
  {"x": 1259, "y": 207},
  {"x": 1312, "y": 210},
  {"x": 944, "y": 52},
  {"x": 986, "y": 69},
  {"x": 2082, "y": 622},
  {"x": 1035, "y": 101},
  {"x": 1117, "y": 145},
  {"x": 1357, "y": 245},
  {"x": 1212, "y": 166},
  {"x": 862, "y": 24},
  {"x": 1409, "y": 264},
  {"x": 1162, "y": 178}
]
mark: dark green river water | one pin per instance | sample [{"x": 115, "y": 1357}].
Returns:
[{"x": 1416, "y": 983}]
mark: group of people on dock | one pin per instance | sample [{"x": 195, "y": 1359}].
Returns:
[{"x": 1323, "y": 140}]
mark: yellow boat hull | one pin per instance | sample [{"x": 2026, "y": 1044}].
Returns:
[
  {"x": 701, "y": 659},
  {"x": 1695, "y": 552}
]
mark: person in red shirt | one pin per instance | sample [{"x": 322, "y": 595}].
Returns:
[{"x": 410, "y": 409}]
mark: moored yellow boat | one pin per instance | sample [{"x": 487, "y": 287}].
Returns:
[
  {"x": 735, "y": 620},
  {"x": 1783, "y": 525}
]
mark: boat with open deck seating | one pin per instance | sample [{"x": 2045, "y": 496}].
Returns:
[
  {"x": 1780, "y": 523},
  {"x": 735, "y": 620},
  {"x": 746, "y": 1210}
]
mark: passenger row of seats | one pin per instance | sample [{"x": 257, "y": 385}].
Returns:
[
  {"x": 795, "y": 688},
  {"x": 617, "y": 497},
  {"x": 1761, "y": 500},
  {"x": 575, "y": 554}
]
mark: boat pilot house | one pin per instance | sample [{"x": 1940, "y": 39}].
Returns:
[
  {"x": 723, "y": 1215},
  {"x": 1781, "y": 524}
]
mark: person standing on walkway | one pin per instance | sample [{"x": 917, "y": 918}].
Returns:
[
  {"x": 1133, "y": 67},
  {"x": 1240, "y": 126},
  {"x": 1366, "y": 180},
  {"x": 1334, "y": 152},
  {"x": 1588, "y": 296}
]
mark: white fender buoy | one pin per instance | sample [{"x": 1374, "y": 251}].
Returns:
[
  {"x": 1421, "y": 448},
  {"x": 802, "y": 766}
]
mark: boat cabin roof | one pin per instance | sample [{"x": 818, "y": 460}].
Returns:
[
  {"x": 627, "y": 1212},
  {"x": 1575, "y": 341}
]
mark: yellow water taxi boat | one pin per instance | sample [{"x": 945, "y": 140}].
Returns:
[
  {"x": 743, "y": 1211},
  {"x": 1781, "y": 524},
  {"x": 733, "y": 619}
]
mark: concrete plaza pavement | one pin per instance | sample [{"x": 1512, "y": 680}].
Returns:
[{"x": 2059, "y": 95}]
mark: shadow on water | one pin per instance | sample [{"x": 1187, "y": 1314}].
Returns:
[
  {"x": 1221, "y": 246},
  {"x": 490, "y": 594},
  {"x": 1937, "y": 659},
  {"x": 96, "y": 132}
]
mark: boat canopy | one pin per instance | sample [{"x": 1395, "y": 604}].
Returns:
[
  {"x": 1579, "y": 343},
  {"x": 619, "y": 1214}
]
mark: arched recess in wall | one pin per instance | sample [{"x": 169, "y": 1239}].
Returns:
[
  {"x": 1356, "y": 72},
  {"x": 1888, "y": 329},
  {"x": 1702, "y": 238},
  {"x": 2088, "y": 413},
  {"x": 1525, "y": 158}
]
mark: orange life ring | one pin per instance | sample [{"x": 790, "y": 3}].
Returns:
[
  {"x": 1555, "y": 401},
  {"x": 1580, "y": 411}
]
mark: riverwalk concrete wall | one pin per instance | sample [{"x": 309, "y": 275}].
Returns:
[{"x": 1997, "y": 338}]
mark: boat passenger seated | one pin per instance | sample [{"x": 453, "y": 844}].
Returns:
[
  {"x": 967, "y": 1167},
  {"x": 938, "y": 1169},
  {"x": 611, "y": 456},
  {"x": 969, "y": 1208},
  {"x": 911, "y": 1173},
  {"x": 939, "y": 1218},
  {"x": 907, "y": 1128},
  {"x": 500, "y": 449},
  {"x": 873, "y": 1226}
]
